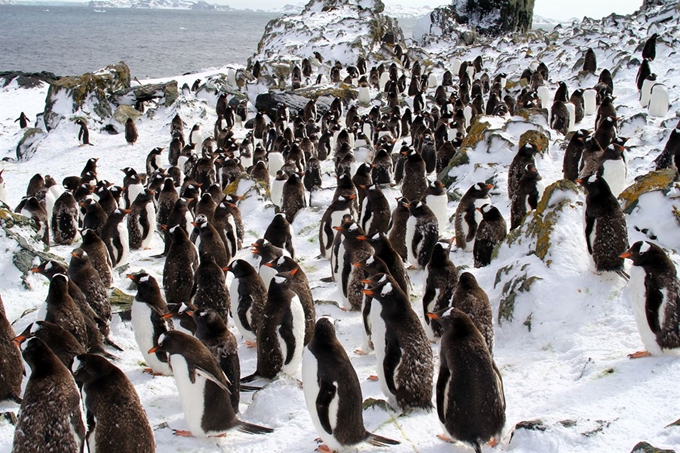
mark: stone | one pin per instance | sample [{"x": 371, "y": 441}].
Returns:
[
  {"x": 166, "y": 91},
  {"x": 29, "y": 143},
  {"x": 644, "y": 447},
  {"x": 537, "y": 138},
  {"x": 27, "y": 79},
  {"x": 298, "y": 99},
  {"x": 654, "y": 180},
  {"x": 123, "y": 112}
]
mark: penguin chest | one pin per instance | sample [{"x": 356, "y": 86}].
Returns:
[
  {"x": 335, "y": 220},
  {"x": 438, "y": 205},
  {"x": 615, "y": 173},
  {"x": 310, "y": 386},
  {"x": 243, "y": 307},
  {"x": 145, "y": 335},
  {"x": 122, "y": 248},
  {"x": 379, "y": 332},
  {"x": 148, "y": 223},
  {"x": 412, "y": 246},
  {"x": 276, "y": 191},
  {"x": 275, "y": 163},
  {"x": 191, "y": 394},
  {"x": 292, "y": 359},
  {"x": 639, "y": 295}
]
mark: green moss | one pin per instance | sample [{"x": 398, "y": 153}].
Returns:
[
  {"x": 652, "y": 181},
  {"x": 537, "y": 138}
]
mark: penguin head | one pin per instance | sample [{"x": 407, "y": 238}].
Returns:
[
  {"x": 208, "y": 321},
  {"x": 59, "y": 284},
  {"x": 481, "y": 189},
  {"x": 79, "y": 258},
  {"x": 146, "y": 286},
  {"x": 171, "y": 342},
  {"x": 36, "y": 353},
  {"x": 240, "y": 268},
  {"x": 644, "y": 253},
  {"x": 455, "y": 321},
  {"x": 49, "y": 268},
  {"x": 89, "y": 367},
  {"x": 468, "y": 281},
  {"x": 324, "y": 330}
]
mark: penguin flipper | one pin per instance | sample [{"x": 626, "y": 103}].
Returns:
[
  {"x": 327, "y": 392},
  {"x": 249, "y": 388},
  {"x": 442, "y": 383},
  {"x": 590, "y": 224},
  {"x": 346, "y": 269},
  {"x": 380, "y": 441},
  {"x": 391, "y": 360},
  {"x": 286, "y": 332},
  {"x": 249, "y": 428},
  {"x": 472, "y": 224},
  {"x": 198, "y": 371}
]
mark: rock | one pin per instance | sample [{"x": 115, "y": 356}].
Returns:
[
  {"x": 29, "y": 143},
  {"x": 644, "y": 447},
  {"x": 123, "y": 112},
  {"x": 296, "y": 100},
  {"x": 26, "y": 79},
  {"x": 130, "y": 96},
  {"x": 69, "y": 95},
  {"x": 537, "y": 138},
  {"x": 654, "y": 180}
]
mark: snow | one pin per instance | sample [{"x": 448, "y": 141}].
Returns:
[{"x": 563, "y": 355}]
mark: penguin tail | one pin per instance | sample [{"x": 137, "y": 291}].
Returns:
[
  {"x": 623, "y": 274},
  {"x": 97, "y": 349},
  {"x": 380, "y": 441},
  {"x": 249, "y": 378},
  {"x": 249, "y": 428},
  {"x": 110, "y": 342},
  {"x": 249, "y": 388},
  {"x": 476, "y": 446}
]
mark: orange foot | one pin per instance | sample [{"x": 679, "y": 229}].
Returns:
[
  {"x": 493, "y": 442},
  {"x": 251, "y": 344},
  {"x": 639, "y": 355},
  {"x": 323, "y": 447},
  {"x": 360, "y": 351},
  {"x": 152, "y": 372},
  {"x": 182, "y": 433},
  {"x": 373, "y": 377},
  {"x": 445, "y": 438}
]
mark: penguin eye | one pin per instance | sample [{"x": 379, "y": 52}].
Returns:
[{"x": 161, "y": 339}]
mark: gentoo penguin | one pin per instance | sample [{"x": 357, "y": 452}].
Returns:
[
  {"x": 83, "y": 133},
  {"x": 403, "y": 353},
  {"x": 472, "y": 300},
  {"x": 115, "y": 236},
  {"x": 212, "y": 331},
  {"x": 606, "y": 132},
  {"x": 332, "y": 217},
  {"x": 526, "y": 196},
  {"x": 572, "y": 155},
  {"x": 50, "y": 417},
  {"x": 671, "y": 152},
  {"x": 131, "y": 134},
  {"x": 203, "y": 388},
  {"x": 106, "y": 200},
  {"x": 248, "y": 296},
  {"x": 206, "y": 206},
  {"x": 299, "y": 285},
  {"x": 280, "y": 233},
  {"x": 375, "y": 211},
  {"x": 181, "y": 316},
  {"x": 470, "y": 396},
  {"x": 81, "y": 272},
  {"x": 281, "y": 334},
  {"x": 210, "y": 289},
  {"x": 179, "y": 268},
  {"x": 226, "y": 221},
  {"x": 133, "y": 187},
  {"x": 361, "y": 180},
  {"x": 196, "y": 137},
  {"x": 605, "y": 226},
  {"x": 559, "y": 117},
  {"x": 467, "y": 217},
  {"x": 649, "y": 50},
  {"x": 397, "y": 232},
  {"x": 655, "y": 291},
  {"x": 440, "y": 283},
  {"x": 95, "y": 216},
  {"x": 264, "y": 252},
  {"x": 293, "y": 197},
  {"x": 613, "y": 168},
  {"x": 153, "y": 161},
  {"x": 11, "y": 367},
  {"x": 64, "y": 220},
  {"x": 63, "y": 311},
  {"x": 60, "y": 341},
  {"x": 211, "y": 244},
  {"x": 381, "y": 166},
  {"x": 33, "y": 209},
  {"x": 437, "y": 200},
  {"x": 141, "y": 221},
  {"x": 384, "y": 250},
  {"x": 167, "y": 198},
  {"x": 23, "y": 121},
  {"x": 148, "y": 308},
  {"x": 117, "y": 422},
  {"x": 422, "y": 233},
  {"x": 348, "y": 277},
  {"x": 333, "y": 393},
  {"x": 414, "y": 182},
  {"x": 491, "y": 231},
  {"x": 524, "y": 157},
  {"x": 659, "y": 101},
  {"x": 371, "y": 265},
  {"x": 590, "y": 61}
]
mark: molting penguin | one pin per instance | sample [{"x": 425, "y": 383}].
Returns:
[
  {"x": 115, "y": 236},
  {"x": 472, "y": 300},
  {"x": 470, "y": 396},
  {"x": 403, "y": 353},
  {"x": 467, "y": 217},
  {"x": 95, "y": 216},
  {"x": 65, "y": 220},
  {"x": 524, "y": 157},
  {"x": 33, "y": 209},
  {"x": 436, "y": 198},
  {"x": 440, "y": 283},
  {"x": 331, "y": 218},
  {"x": 142, "y": 220},
  {"x": 655, "y": 291},
  {"x": 11, "y": 368},
  {"x": 81, "y": 272},
  {"x": 248, "y": 295},
  {"x": 63, "y": 311},
  {"x": 294, "y": 197},
  {"x": 613, "y": 168},
  {"x": 415, "y": 182},
  {"x": 332, "y": 392},
  {"x": 203, "y": 388},
  {"x": 179, "y": 268},
  {"x": 117, "y": 422},
  {"x": 148, "y": 309},
  {"x": 422, "y": 232},
  {"x": 210, "y": 289},
  {"x": 211, "y": 244},
  {"x": 60, "y": 341},
  {"x": 50, "y": 418},
  {"x": 280, "y": 233},
  {"x": 131, "y": 134},
  {"x": 572, "y": 155},
  {"x": 397, "y": 232},
  {"x": 492, "y": 230},
  {"x": 99, "y": 256},
  {"x": 348, "y": 277},
  {"x": 526, "y": 196}
]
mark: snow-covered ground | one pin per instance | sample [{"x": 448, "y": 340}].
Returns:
[{"x": 563, "y": 356}]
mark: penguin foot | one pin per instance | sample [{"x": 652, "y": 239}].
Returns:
[
  {"x": 182, "y": 433},
  {"x": 493, "y": 442},
  {"x": 327, "y": 279},
  {"x": 639, "y": 354},
  {"x": 360, "y": 351},
  {"x": 151, "y": 372},
  {"x": 251, "y": 344},
  {"x": 446, "y": 439},
  {"x": 373, "y": 377},
  {"x": 323, "y": 447}
]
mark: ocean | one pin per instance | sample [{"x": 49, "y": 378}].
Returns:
[{"x": 72, "y": 40}]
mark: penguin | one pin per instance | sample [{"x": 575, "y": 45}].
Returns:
[
  {"x": 655, "y": 292},
  {"x": 523, "y": 157},
  {"x": 396, "y": 232},
  {"x": 148, "y": 308},
  {"x": 437, "y": 200},
  {"x": 153, "y": 160},
  {"x": 106, "y": 200},
  {"x": 440, "y": 284},
  {"x": 3, "y": 189},
  {"x": 131, "y": 134},
  {"x": 81, "y": 272},
  {"x": 371, "y": 265},
  {"x": 167, "y": 198},
  {"x": 211, "y": 244},
  {"x": 212, "y": 331},
  {"x": 470, "y": 396},
  {"x": 280, "y": 234},
  {"x": 526, "y": 196},
  {"x": 65, "y": 220},
  {"x": 375, "y": 211},
  {"x": 659, "y": 101},
  {"x": 281, "y": 333},
  {"x": 248, "y": 294},
  {"x": 649, "y": 50},
  {"x": 559, "y": 117},
  {"x": 467, "y": 218},
  {"x": 206, "y": 206},
  {"x": 35, "y": 210},
  {"x": 210, "y": 289},
  {"x": 23, "y": 121},
  {"x": 141, "y": 221},
  {"x": 133, "y": 187},
  {"x": 403, "y": 354},
  {"x": 605, "y": 226},
  {"x": 422, "y": 233},
  {"x": 202, "y": 388},
  {"x": 83, "y": 133},
  {"x": 293, "y": 197},
  {"x": 471, "y": 299},
  {"x": 646, "y": 81},
  {"x": 95, "y": 217},
  {"x": 333, "y": 393},
  {"x": 62, "y": 342},
  {"x": 590, "y": 61},
  {"x": 117, "y": 422},
  {"x": 11, "y": 367},
  {"x": 60, "y": 309},
  {"x": 613, "y": 168},
  {"x": 577, "y": 101},
  {"x": 196, "y": 137},
  {"x": 606, "y": 132},
  {"x": 264, "y": 252},
  {"x": 381, "y": 167},
  {"x": 415, "y": 182},
  {"x": 671, "y": 152},
  {"x": 50, "y": 417},
  {"x": 572, "y": 155},
  {"x": 384, "y": 250},
  {"x": 179, "y": 268},
  {"x": 115, "y": 236},
  {"x": 491, "y": 231},
  {"x": 348, "y": 277},
  {"x": 181, "y": 316},
  {"x": 226, "y": 221}
]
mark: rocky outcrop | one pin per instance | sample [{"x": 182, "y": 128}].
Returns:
[
  {"x": 29, "y": 143},
  {"x": 296, "y": 100},
  {"x": 644, "y": 447},
  {"x": 27, "y": 79},
  {"x": 167, "y": 92}
]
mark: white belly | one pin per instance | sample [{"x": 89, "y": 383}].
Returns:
[
  {"x": 292, "y": 367},
  {"x": 639, "y": 298},
  {"x": 310, "y": 386},
  {"x": 646, "y": 92},
  {"x": 141, "y": 324},
  {"x": 125, "y": 242},
  {"x": 378, "y": 334},
  {"x": 438, "y": 204},
  {"x": 658, "y": 102},
  {"x": 571, "y": 108},
  {"x": 410, "y": 232},
  {"x": 364, "y": 96},
  {"x": 151, "y": 216},
  {"x": 276, "y": 191},
  {"x": 589, "y": 101},
  {"x": 615, "y": 173},
  {"x": 544, "y": 94},
  {"x": 191, "y": 394},
  {"x": 235, "y": 300},
  {"x": 275, "y": 163}
]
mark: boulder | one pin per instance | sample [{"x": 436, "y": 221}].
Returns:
[
  {"x": 296, "y": 100},
  {"x": 652, "y": 181},
  {"x": 26, "y": 79},
  {"x": 29, "y": 143},
  {"x": 644, "y": 447},
  {"x": 166, "y": 91}
]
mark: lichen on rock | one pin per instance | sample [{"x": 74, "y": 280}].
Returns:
[
  {"x": 652, "y": 181},
  {"x": 28, "y": 145}
]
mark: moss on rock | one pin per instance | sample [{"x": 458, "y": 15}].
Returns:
[
  {"x": 652, "y": 181},
  {"x": 537, "y": 138}
]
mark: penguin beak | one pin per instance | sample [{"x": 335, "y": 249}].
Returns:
[
  {"x": 337, "y": 228},
  {"x": 294, "y": 271},
  {"x": 269, "y": 264},
  {"x": 152, "y": 350},
  {"x": 362, "y": 238},
  {"x": 131, "y": 277},
  {"x": 167, "y": 316},
  {"x": 357, "y": 264},
  {"x": 433, "y": 316},
  {"x": 226, "y": 269},
  {"x": 18, "y": 340},
  {"x": 74, "y": 255},
  {"x": 625, "y": 255},
  {"x": 489, "y": 186},
  {"x": 368, "y": 292},
  {"x": 127, "y": 211},
  {"x": 579, "y": 181},
  {"x": 194, "y": 224},
  {"x": 164, "y": 227},
  {"x": 35, "y": 270},
  {"x": 366, "y": 282}
]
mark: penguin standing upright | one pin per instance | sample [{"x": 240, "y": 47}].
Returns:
[
  {"x": 23, "y": 121},
  {"x": 210, "y": 289},
  {"x": 148, "y": 308},
  {"x": 95, "y": 216},
  {"x": 467, "y": 217},
  {"x": 655, "y": 292},
  {"x": 384, "y": 250},
  {"x": 226, "y": 221},
  {"x": 99, "y": 256},
  {"x": 50, "y": 418},
  {"x": 470, "y": 396},
  {"x": 60, "y": 341},
  {"x": 613, "y": 168},
  {"x": 179, "y": 268},
  {"x": 349, "y": 277},
  {"x": 63, "y": 311},
  {"x": 375, "y": 211},
  {"x": 211, "y": 244},
  {"x": 572, "y": 155},
  {"x": 422, "y": 233},
  {"x": 605, "y": 226},
  {"x": 331, "y": 218},
  {"x": 280, "y": 233},
  {"x": 142, "y": 220},
  {"x": 396, "y": 232},
  {"x": 116, "y": 419},
  {"x": 83, "y": 133},
  {"x": 281, "y": 334},
  {"x": 492, "y": 230},
  {"x": 131, "y": 134},
  {"x": 11, "y": 368},
  {"x": 403, "y": 353},
  {"x": 65, "y": 220},
  {"x": 203, "y": 388},
  {"x": 437, "y": 200},
  {"x": 332, "y": 392},
  {"x": 154, "y": 161},
  {"x": 440, "y": 284},
  {"x": 524, "y": 157},
  {"x": 472, "y": 300},
  {"x": 248, "y": 296},
  {"x": 526, "y": 196},
  {"x": 415, "y": 181},
  {"x": 649, "y": 50},
  {"x": 115, "y": 236},
  {"x": 81, "y": 272},
  {"x": 34, "y": 209},
  {"x": 293, "y": 197},
  {"x": 167, "y": 198}
]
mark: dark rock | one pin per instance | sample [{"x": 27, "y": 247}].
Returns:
[
  {"x": 131, "y": 95},
  {"x": 644, "y": 447},
  {"x": 27, "y": 79},
  {"x": 28, "y": 144},
  {"x": 269, "y": 102}
]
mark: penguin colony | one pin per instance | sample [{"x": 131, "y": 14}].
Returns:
[{"x": 183, "y": 321}]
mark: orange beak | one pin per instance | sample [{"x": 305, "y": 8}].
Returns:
[
  {"x": 75, "y": 255},
  {"x": 167, "y": 316},
  {"x": 130, "y": 276},
  {"x": 154, "y": 349},
  {"x": 337, "y": 228},
  {"x": 18, "y": 340},
  {"x": 357, "y": 265},
  {"x": 362, "y": 238},
  {"x": 625, "y": 255},
  {"x": 368, "y": 292},
  {"x": 269, "y": 264},
  {"x": 35, "y": 269},
  {"x": 489, "y": 186},
  {"x": 580, "y": 181},
  {"x": 432, "y": 316}
]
